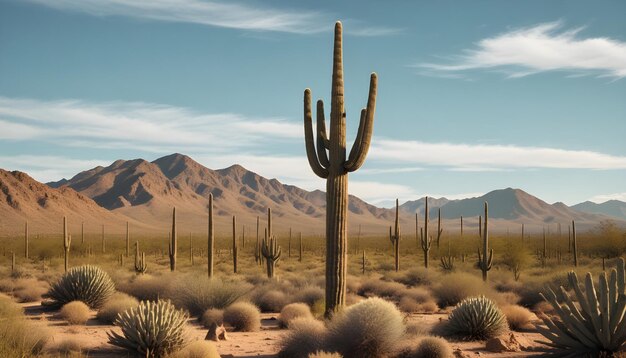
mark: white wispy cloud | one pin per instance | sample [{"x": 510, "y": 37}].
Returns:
[
  {"x": 541, "y": 48},
  {"x": 46, "y": 168},
  {"x": 601, "y": 198},
  {"x": 228, "y": 14},
  {"x": 133, "y": 125},
  {"x": 481, "y": 157}
]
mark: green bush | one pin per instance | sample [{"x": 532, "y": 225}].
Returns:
[
  {"x": 476, "y": 318},
  {"x": 370, "y": 328},
  {"x": 152, "y": 329},
  {"x": 89, "y": 284}
]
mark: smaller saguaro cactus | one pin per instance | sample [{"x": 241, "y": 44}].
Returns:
[
  {"x": 439, "y": 227},
  {"x": 271, "y": 251},
  {"x": 26, "y": 240},
  {"x": 235, "y": 244},
  {"x": 486, "y": 258},
  {"x": 191, "y": 249},
  {"x": 173, "y": 242},
  {"x": 211, "y": 239},
  {"x": 67, "y": 242},
  {"x": 300, "y": 248},
  {"x": 12, "y": 261},
  {"x": 104, "y": 247},
  {"x": 425, "y": 239},
  {"x": 395, "y": 239},
  {"x": 127, "y": 239},
  {"x": 140, "y": 261},
  {"x": 574, "y": 246},
  {"x": 447, "y": 262},
  {"x": 363, "y": 263}
]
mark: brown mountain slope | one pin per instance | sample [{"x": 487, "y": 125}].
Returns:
[{"x": 23, "y": 198}]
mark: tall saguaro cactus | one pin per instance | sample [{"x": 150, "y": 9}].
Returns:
[
  {"x": 395, "y": 239},
  {"x": 327, "y": 157},
  {"x": 67, "y": 241},
  {"x": 485, "y": 260},
  {"x": 271, "y": 251},
  {"x": 211, "y": 238},
  {"x": 425, "y": 239},
  {"x": 173, "y": 242}
]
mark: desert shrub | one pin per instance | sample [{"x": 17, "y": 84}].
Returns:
[
  {"x": 6, "y": 285},
  {"x": 430, "y": 347},
  {"x": 292, "y": 311},
  {"x": 243, "y": 316},
  {"x": 305, "y": 336},
  {"x": 196, "y": 295},
  {"x": 212, "y": 315},
  {"x": 271, "y": 301},
  {"x": 409, "y": 305},
  {"x": 517, "y": 317},
  {"x": 18, "y": 336},
  {"x": 309, "y": 295},
  {"x": 29, "y": 290},
  {"x": 322, "y": 354},
  {"x": 69, "y": 346},
  {"x": 457, "y": 286},
  {"x": 147, "y": 287},
  {"x": 476, "y": 318},
  {"x": 115, "y": 305},
  {"x": 151, "y": 329},
  {"x": 413, "y": 277},
  {"x": 415, "y": 329},
  {"x": 380, "y": 288},
  {"x": 197, "y": 349},
  {"x": 75, "y": 312},
  {"x": 89, "y": 284},
  {"x": 370, "y": 328}
]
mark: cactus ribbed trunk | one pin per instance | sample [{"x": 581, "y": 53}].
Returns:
[
  {"x": 211, "y": 239},
  {"x": 173, "y": 243},
  {"x": 425, "y": 239},
  {"x": 67, "y": 241},
  {"x": 327, "y": 157},
  {"x": 485, "y": 260},
  {"x": 234, "y": 244},
  {"x": 395, "y": 239},
  {"x": 574, "y": 246}
]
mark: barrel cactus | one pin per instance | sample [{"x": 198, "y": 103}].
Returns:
[
  {"x": 594, "y": 324},
  {"x": 152, "y": 329},
  {"x": 89, "y": 284},
  {"x": 476, "y": 318}
]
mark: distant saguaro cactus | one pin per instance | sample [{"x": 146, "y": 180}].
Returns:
[
  {"x": 26, "y": 240},
  {"x": 173, "y": 242},
  {"x": 334, "y": 167},
  {"x": 140, "y": 261},
  {"x": 234, "y": 244},
  {"x": 425, "y": 239},
  {"x": 395, "y": 239},
  {"x": 485, "y": 260},
  {"x": 127, "y": 240},
  {"x": 67, "y": 241},
  {"x": 211, "y": 238},
  {"x": 300, "y": 248},
  {"x": 439, "y": 227},
  {"x": 574, "y": 246},
  {"x": 269, "y": 247}
]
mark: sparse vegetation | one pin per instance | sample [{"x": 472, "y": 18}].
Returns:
[
  {"x": 115, "y": 305},
  {"x": 75, "y": 312},
  {"x": 243, "y": 316},
  {"x": 293, "y": 311},
  {"x": 304, "y": 337}
]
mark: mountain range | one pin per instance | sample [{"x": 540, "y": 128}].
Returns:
[{"x": 144, "y": 193}]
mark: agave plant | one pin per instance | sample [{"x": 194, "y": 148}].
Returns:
[
  {"x": 476, "y": 318},
  {"x": 596, "y": 321},
  {"x": 89, "y": 284},
  {"x": 152, "y": 329}
]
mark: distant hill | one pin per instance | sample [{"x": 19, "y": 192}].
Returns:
[{"x": 613, "y": 208}]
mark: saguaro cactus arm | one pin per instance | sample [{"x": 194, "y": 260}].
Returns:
[
  {"x": 309, "y": 142},
  {"x": 366, "y": 127}
]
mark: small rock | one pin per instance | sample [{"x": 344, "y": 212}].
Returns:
[{"x": 502, "y": 344}]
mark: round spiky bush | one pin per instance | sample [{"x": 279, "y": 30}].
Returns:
[
  {"x": 152, "y": 329},
  {"x": 476, "y": 318},
  {"x": 292, "y": 311},
  {"x": 370, "y": 328},
  {"x": 304, "y": 337},
  {"x": 431, "y": 347},
  {"x": 243, "y": 317},
  {"x": 75, "y": 312},
  {"x": 89, "y": 284}
]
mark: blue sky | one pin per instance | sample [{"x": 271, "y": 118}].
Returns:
[{"x": 473, "y": 96}]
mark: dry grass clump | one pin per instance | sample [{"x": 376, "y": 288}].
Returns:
[
  {"x": 410, "y": 305},
  {"x": 18, "y": 336},
  {"x": 293, "y": 311},
  {"x": 243, "y": 317},
  {"x": 517, "y": 317},
  {"x": 370, "y": 328},
  {"x": 197, "y": 349},
  {"x": 271, "y": 301},
  {"x": 376, "y": 287},
  {"x": 75, "y": 312},
  {"x": 212, "y": 315},
  {"x": 457, "y": 286},
  {"x": 322, "y": 354},
  {"x": 115, "y": 305},
  {"x": 196, "y": 295},
  {"x": 309, "y": 295},
  {"x": 69, "y": 346},
  {"x": 147, "y": 287},
  {"x": 305, "y": 336},
  {"x": 413, "y": 277},
  {"x": 430, "y": 347},
  {"x": 415, "y": 329}
]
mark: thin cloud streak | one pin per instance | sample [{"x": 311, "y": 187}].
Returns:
[
  {"x": 601, "y": 198},
  {"x": 481, "y": 157},
  {"x": 541, "y": 48}
]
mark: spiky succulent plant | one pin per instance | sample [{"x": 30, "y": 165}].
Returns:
[
  {"x": 476, "y": 318},
  {"x": 89, "y": 284},
  {"x": 152, "y": 329}
]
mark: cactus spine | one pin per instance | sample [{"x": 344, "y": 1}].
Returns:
[
  {"x": 173, "y": 242},
  {"x": 425, "y": 239},
  {"x": 485, "y": 260},
  {"x": 211, "y": 238},
  {"x": 395, "y": 239},
  {"x": 334, "y": 167},
  {"x": 26, "y": 240},
  {"x": 127, "y": 240},
  {"x": 140, "y": 261},
  {"x": 67, "y": 241},
  {"x": 574, "y": 246},
  {"x": 234, "y": 244}
]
